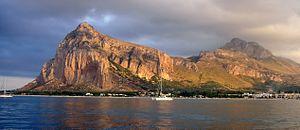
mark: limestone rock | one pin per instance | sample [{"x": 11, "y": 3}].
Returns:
[{"x": 85, "y": 57}]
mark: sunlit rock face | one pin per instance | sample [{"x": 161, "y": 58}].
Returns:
[
  {"x": 77, "y": 61},
  {"x": 238, "y": 63},
  {"x": 87, "y": 60},
  {"x": 85, "y": 56}
]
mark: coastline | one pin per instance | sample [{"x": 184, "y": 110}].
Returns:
[{"x": 139, "y": 97}]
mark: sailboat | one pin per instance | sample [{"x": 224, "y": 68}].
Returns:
[
  {"x": 161, "y": 96},
  {"x": 4, "y": 90}
]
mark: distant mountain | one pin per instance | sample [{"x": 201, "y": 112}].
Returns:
[
  {"x": 252, "y": 49},
  {"x": 87, "y": 60}
]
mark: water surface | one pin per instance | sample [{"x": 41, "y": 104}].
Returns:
[{"x": 27, "y": 112}]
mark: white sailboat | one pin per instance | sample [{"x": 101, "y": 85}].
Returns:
[
  {"x": 4, "y": 90},
  {"x": 161, "y": 96}
]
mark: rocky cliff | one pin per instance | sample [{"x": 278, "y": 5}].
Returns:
[{"x": 87, "y": 60}]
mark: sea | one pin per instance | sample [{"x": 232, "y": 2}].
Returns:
[{"x": 49, "y": 112}]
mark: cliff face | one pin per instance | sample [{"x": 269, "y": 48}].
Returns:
[
  {"x": 85, "y": 57},
  {"x": 240, "y": 64},
  {"x": 87, "y": 60}
]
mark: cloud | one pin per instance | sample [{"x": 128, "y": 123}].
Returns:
[{"x": 31, "y": 30}]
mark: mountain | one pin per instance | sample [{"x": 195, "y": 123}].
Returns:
[
  {"x": 252, "y": 49},
  {"x": 87, "y": 60}
]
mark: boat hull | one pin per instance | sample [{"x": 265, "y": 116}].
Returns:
[
  {"x": 5, "y": 96},
  {"x": 162, "y": 99}
]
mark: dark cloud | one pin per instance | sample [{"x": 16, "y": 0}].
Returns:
[{"x": 30, "y": 30}]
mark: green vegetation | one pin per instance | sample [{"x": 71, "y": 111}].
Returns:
[
  {"x": 276, "y": 87},
  {"x": 126, "y": 78},
  {"x": 213, "y": 71},
  {"x": 209, "y": 89}
]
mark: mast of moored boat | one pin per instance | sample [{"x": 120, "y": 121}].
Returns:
[
  {"x": 4, "y": 86},
  {"x": 161, "y": 69},
  {"x": 161, "y": 97}
]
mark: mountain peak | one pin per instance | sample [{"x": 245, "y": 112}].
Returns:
[
  {"x": 237, "y": 40},
  {"x": 83, "y": 35},
  {"x": 243, "y": 43},
  {"x": 85, "y": 27},
  {"x": 252, "y": 49}
]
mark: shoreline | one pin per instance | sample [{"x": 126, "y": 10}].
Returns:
[{"x": 134, "y": 97}]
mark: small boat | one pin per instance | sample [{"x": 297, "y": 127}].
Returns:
[
  {"x": 161, "y": 97},
  {"x": 4, "y": 95}
]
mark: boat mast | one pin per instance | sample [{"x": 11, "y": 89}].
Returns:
[
  {"x": 4, "y": 86},
  {"x": 2, "y": 83},
  {"x": 161, "y": 69}
]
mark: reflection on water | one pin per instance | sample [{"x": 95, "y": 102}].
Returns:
[{"x": 71, "y": 112}]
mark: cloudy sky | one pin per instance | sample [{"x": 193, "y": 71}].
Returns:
[{"x": 30, "y": 30}]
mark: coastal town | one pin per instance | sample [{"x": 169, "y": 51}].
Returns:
[
  {"x": 244, "y": 95},
  {"x": 272, "y": 95}
]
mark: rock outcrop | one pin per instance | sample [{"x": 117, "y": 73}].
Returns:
[{"x": 87, "y": 60}]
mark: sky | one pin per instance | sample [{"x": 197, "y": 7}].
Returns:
[{"x": 31, "y": 30}]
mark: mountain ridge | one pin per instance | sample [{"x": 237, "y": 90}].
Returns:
[{"x": 87, "y": 60}]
